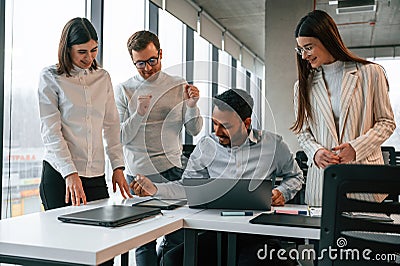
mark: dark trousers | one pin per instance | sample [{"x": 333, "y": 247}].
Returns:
[
  {"x": 147, "y": 255},
  {"x": 246, "y": 251},
  {"x": 52, "y": 190}
]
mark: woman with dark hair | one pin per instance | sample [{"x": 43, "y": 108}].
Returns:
[
  {"x": 342, "y": 108},
  {"x": 77, "y": 110}
]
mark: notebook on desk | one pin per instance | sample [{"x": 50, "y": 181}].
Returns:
[
  {"x": 228, "y": 193},
  {"x": 110, "y": 215}
]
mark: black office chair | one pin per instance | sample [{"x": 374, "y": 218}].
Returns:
[
  {"x": 301, "y": 159},
  {"x": 389, "y": 155},
  {"x": 345, "y": 225},
  {"x": 397, "y": 157},
  {"x": 187, "y": 149}
]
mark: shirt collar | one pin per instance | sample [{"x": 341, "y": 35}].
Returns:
[
  {"x": 153, "y": 78},
  {"x": 254, "y": 136},
  {"x": 78, "y": 71}
]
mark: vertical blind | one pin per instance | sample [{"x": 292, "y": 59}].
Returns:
[
  {"x": 231, "y": 45},
  {"x": 247, "y": 59},
  {"x": 210, "y": 31},
  {"x": 184, "y": 11}
]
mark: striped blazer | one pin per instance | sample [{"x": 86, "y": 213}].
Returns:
[{"x": 366, "y": 120}]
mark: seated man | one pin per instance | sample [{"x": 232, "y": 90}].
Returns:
[{"x": 234, "y": 151}]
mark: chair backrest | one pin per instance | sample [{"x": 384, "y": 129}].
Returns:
[
  {"x": 356, "y": 228},
  {"x": 187, "y": 149},
  {"x": 389, "y": 155},
  {"x": 301, "y": 159},
  {"x": 397, "y": 157}
]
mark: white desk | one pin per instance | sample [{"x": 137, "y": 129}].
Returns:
[
  {"x": 41, "y": 238},
  {"x": 212, "y": 220}
]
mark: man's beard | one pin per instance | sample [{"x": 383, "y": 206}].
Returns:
[{"x": 225, "y": 145}]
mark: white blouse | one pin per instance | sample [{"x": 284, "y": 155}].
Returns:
[{"x": 76, "y": 113}]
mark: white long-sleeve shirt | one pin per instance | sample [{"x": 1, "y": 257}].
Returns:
[
  {"x": 75, "y": 113},
  {"x": 152, "y": 143}
]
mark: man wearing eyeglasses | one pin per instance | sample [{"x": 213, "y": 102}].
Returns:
[{"x": 153, "y": 107}]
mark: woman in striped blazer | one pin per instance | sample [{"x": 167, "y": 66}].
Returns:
[{"x": 343, "y": 113}]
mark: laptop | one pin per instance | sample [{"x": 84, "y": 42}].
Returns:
[
  {"x": 110, "y": 215},
  {"x": 228, "y": 193}
]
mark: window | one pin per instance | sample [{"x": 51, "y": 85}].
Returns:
[
  {"x": 202, "y": 78},
  {"x": 240, "y": 76},
  {"x": 256, "y": 93},
  {"x": 122, "y": 18},
  {"x": 128, "y": 17},
  {"x": 391, "y": 67},
  {"x": 224, "y": 71},
  {"x": 31, "y": 44},
  {"x": 171, "y": 35}
]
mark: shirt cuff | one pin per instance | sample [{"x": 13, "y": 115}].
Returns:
[
  {"x": 67, "y": 170},
  {"x": 161, "y": 191},
  {"x": 119, "y": 167},
  {"x": 191, "y": 112},
  {"x": 284, "y": 192}
]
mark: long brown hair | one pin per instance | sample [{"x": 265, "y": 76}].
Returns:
[
  {"x": 320, "y": 25},
  {"x": 76, "y": 31}
]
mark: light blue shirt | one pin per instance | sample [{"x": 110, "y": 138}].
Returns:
[{"x": 264, "y": 155}]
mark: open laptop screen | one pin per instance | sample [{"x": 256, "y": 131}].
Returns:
[{"x": 228, "y": 193}]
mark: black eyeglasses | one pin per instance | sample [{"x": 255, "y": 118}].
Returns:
[{"x": 152, "y": 61}]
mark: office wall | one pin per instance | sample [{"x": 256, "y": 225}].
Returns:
[{"x": 280, "y": 64}]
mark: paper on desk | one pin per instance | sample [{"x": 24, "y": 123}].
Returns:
[
  {"x": 315, "y": 211},
  {"x": 290, "y": 209}
]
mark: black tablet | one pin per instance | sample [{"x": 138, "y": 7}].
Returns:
[
  {"x": 287, "y": 220},
  {"x": 163, "y": 204}
]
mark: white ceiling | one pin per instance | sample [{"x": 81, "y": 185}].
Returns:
[{"x": 245, "y": 20}]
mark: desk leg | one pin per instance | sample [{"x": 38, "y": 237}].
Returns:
[
  {"x": 231, "y": 260},
  {"x": 219, "y": 248},
  {"x": 125, "y": 259},
  {"x": 190, "y": 247}
]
